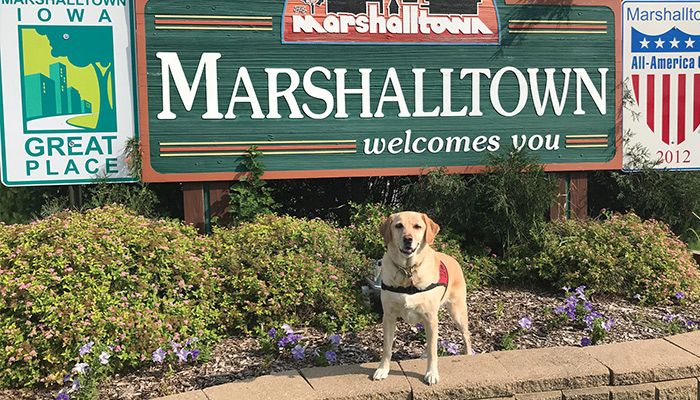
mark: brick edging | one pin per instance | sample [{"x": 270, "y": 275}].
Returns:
[{"x": 657, "y": 369}]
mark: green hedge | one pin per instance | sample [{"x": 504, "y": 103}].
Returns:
[
  {"x": 107, "y": 276},
  {"x": 115, "y": 278},
  {"x": 621, "y": 255},
  {"x": 288, "y": 270}
]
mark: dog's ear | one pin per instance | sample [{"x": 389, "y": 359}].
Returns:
[
  {"x": 431, "y": 229},
  {"x": 385, "y": 229}
]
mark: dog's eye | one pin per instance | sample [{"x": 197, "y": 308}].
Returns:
[
  {"x": 399, "y": 225},
  {"x": 417, "y": 226}
]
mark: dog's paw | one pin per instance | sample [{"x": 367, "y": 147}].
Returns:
[
  {"x": 431, "y": 377},
  {"x": 381, "y": 373}
]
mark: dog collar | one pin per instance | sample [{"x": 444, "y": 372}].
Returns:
[{"x": 443, "y": 281}]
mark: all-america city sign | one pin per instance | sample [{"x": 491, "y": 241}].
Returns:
[{"x": 329, "y": 88}]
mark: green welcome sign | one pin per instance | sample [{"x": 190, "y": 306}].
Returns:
[{"x": 331, "y": 88}]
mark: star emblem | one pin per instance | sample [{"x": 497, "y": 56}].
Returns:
[
  {"x": 689, "y": 43},
  {"x": 659, "y": 43},
  {"x": 645, "y": 43},
  {"x": 674, "y": 43}
]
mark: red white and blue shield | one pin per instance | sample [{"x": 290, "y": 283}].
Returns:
[{"x": 667, "y": 86}]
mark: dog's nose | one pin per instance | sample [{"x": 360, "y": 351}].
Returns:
[{"x": 407, "y": 240}]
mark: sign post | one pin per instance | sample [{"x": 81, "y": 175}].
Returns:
[{"x": 67, "y": 91}]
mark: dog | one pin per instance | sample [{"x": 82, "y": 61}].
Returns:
[{"x": 414, "y": 286}]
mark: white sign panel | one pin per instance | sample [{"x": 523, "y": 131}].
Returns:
[
  {"x": 66, "y": 91},
  {"x": 661, "y": 69}
]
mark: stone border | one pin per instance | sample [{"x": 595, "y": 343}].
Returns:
[{"x": 656, "y": 369}]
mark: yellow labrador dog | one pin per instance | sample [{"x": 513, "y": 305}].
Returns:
[{"x": 416, "y": 281}]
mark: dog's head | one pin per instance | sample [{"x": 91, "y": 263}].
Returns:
[{"x": 408, "y": 232}]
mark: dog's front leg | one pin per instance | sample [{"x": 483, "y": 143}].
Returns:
[
  {"x": 432, "y": 376},
  {"x": 389, "y": 327}
]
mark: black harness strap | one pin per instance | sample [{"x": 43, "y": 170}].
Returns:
[
  {"x": 410, "y": 289},
  {"x": 443, "y": 281}
]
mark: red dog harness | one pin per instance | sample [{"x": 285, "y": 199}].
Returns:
[{"x": 443, "y": 281}]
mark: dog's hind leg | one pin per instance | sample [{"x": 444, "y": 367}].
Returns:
[
  {"x": 459, "y": 314},
  {"x": 389, "y": 328}
]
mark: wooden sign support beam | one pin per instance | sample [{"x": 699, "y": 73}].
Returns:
[
  {"x": 572, "y": 197},
  {"x": 204, "y": 202}
]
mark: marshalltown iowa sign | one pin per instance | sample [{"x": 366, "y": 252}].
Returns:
[
  {"x": 328, "y": 88},
  {"x": 67, "y": 91}
]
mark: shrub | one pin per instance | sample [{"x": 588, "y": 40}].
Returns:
[
  {"x": 21, "y": 204},
  {"x": 443, "y": 196},
  {"x": 106, "y": 276},
  {"x": 251, "y": 195},
  {"x": 512, "y": 196},
  {"x": 363, "y": 231},
  {"x": 619, "y": 255},
  {"x": 284, "y": 269},
  {"x": 669, "y": 196},
  {"x": 496, "y": 208},
  {"x": 480, "y": 270}
]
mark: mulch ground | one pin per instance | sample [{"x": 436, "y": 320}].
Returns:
[{"x": 493, "y": 312}]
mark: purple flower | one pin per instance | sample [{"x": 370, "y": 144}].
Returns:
[
  {"x": 80, "y": 368},
  {"x": 449, "y": 347},
  {"x": 525, "y": 322},
  {"x": 182, "y": 355},
  {"x": 75, "y": 386},
  {"x": 287, "y": 329},
  {"x": 330, "y": 356},
  {"x": 86, "y": 348},
  {"x": 559, "y": 310},
  {"x": 608, "y": 324},
  {"x": 159, "y": 356},
  {"x": 585, "y": 342},
  {"x": 420, "y": 326},
  {"x": 570, "y": 307},
  {"x": 591, "y": 318},
  {"x": 174, "y": 345},
  {"x": 588, "y": 306},
  {"x": 190, "y": 341},
  {"x": 66, "y": 378},
  {"x": 272, "y": 333},
  {"x": 334, "y": 339},
  {"x": 668, "y": 318},
  {"x": 63, "y": 396},
  {"x": 298, "y": 352},
  {"x": 290, "y": 339},
  {"x": 453, "y": 348},
  {"x": 680, "y": 295},
  {"x": 104, "y": 358},
  {"x": 194, "y": 353},
  {"x": 580, "y": 292}
]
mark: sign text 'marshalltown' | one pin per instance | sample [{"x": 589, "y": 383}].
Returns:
[{"x": 326, "y": 93}]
